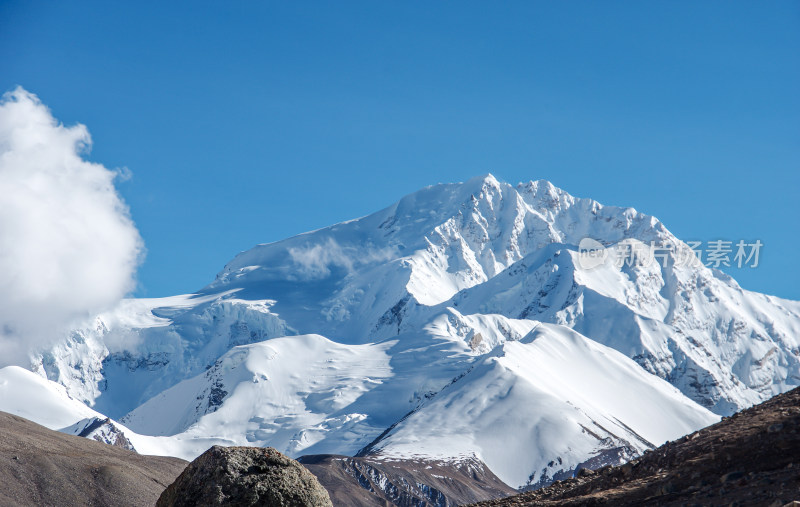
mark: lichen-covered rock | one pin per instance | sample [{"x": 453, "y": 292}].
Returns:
[{"x": 245, "y": 476}]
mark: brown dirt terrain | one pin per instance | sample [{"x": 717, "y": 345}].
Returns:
[
  {"x": 40, "y": 467},
  {"x": 750, "y": 458}
]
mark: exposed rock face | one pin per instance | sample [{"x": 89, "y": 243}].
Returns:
[
  {"x": 245, "y": 476},
  {"x": 40, "y": 467},
  {"x": 751, "y": 458},
  {"x": 373, "y": 481},
  {"x": 102, "y": 430}
]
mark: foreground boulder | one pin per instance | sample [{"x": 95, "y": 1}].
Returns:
[{"x": 245, "y": 476}]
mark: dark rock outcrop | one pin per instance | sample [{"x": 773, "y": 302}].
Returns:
[
  {"x": 375, "y": 481},
  {"x": 245, "y": 476},
  {"x": 39, "y": 467},
  {"x": 102, "y": 430},
  {"x": 750, "y": 458}
]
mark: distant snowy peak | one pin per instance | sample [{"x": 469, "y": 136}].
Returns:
[
  {"x": 484, "y": 223},
  {"x": 393, "y": 271},
  {"x": 443, "y": 260},
  {"x": 429, "y": 245},
  {"x": 480, "y": 295}
]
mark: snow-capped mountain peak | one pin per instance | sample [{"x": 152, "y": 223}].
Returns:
[{"x": 386, "y": 322}]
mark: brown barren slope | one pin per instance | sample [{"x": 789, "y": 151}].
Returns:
[
  {"x": 42, "y": 467},
  {"x": 751, "y": 458}
]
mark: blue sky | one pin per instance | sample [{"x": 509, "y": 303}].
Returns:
[{"x": 247, "y": 122}]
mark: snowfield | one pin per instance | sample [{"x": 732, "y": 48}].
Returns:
[{"x": 559, "y": 397}]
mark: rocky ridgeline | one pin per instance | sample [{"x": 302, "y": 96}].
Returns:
[
  {"x": 750, "y": 458},
  {"x": 371, "y": 480}
]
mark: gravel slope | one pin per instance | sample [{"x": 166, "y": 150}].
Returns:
[{"x": 41, "y": 467}]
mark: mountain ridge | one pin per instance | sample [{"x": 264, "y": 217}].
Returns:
[{"x": 422, "y": 292}]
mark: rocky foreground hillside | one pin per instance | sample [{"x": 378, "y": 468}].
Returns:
[
  {"x": 40, "y": 467},
  {"x": 750, "y": 458}
]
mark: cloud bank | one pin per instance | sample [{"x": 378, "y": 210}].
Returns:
[{"x": 68, "y": 247}]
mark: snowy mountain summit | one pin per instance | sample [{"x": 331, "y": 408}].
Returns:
[{"x": 465, "y": 322}]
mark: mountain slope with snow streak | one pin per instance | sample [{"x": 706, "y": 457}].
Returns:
[
  {"x": 290, "y": 393},
  {"x": 559, "y": 397}
]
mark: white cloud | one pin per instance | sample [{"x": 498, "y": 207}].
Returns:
[
  {"x": 315, "y": 262},
  {"x": 68, "y": 247}
]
